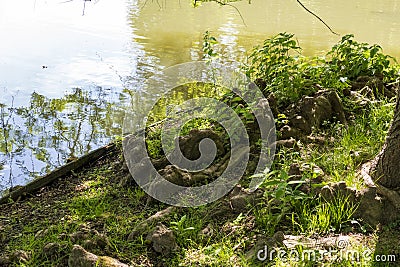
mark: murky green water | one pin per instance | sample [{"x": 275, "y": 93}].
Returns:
[{"x": 65, "y": 77}]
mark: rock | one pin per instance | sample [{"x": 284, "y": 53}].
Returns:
[
  {"x": 310, "y": 112},
  {"x": 273, "y": 104},
  {"x": 20, "y": 256},
  {"x": 294, "y": 169},
  {"x": 315, "y": 110},
  {"x": 337, "y": 106},
  {"x": 89, "y": 244},
  {"x": 142, "y": 227},
  {"x": 79, "y": 236},
  {"x": 287, "y": 132},
  {"x": 241, "y": 198},
  {"x": 5, "y": 260},
  {"x": 265, "y": 244},
  {"x": 79, "y": 257},
  {"x": 339, "y": 189},
  {"x": 163, "y": 240},
  {"x": 370, "y": 207},
  {"x": 208, "y": 231},
  {"x": 51, "y": 250},
  {"x": 359, "y": 100},
  {"x": 300, "y": 122},
  {"x": 41, "y": 233},
  {"x": 288, "y": 143},
  {"x": 261, "y": 83},
  {"x": 314, "y": 169},
  {"x": 101, "y": 241},
  {"x": 176, "y": 176},
  {"x": 373, "y": 82}
]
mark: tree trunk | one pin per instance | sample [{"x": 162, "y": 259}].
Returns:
[{"x": 386, "y": 169}]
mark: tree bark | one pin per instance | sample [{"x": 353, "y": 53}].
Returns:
[{"x": 386, "y": 167}]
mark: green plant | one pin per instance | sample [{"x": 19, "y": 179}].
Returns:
[
  {"x": 353, "y": 59},
  {"x": 186, "y": 229},
  {"x": 281, "y": 196},
  {"x": 278, "y": 66},
  {"x": 209, "y": 42},
  {"x": 325, "y": 216}
]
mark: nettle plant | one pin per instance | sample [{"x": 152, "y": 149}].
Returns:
[
  {"x": 279, "y": 67},
  {"x": 352, "y": 59}
]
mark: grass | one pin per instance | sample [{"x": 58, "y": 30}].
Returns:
[
  {"x": 325, "y": 217},
  {"x": 354, "y": 144}
]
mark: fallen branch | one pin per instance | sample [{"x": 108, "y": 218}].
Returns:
[{"x": 36, "y": 184}]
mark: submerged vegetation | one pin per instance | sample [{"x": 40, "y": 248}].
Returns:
[{"x": 100, "y": 207}]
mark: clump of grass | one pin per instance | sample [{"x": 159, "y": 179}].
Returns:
[{"x": 322, "y": 217}]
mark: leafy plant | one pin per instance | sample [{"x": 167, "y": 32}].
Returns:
[
  {"x": 209, "y": 42},
  {"x": 353, "y": 59},
  {"x": 278, "y": 66},
  {"x": 281, "y": 195},
  {"x": 185, "y": 229}
]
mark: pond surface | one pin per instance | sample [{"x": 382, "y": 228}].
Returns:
[{"x": 67, "y": 68}]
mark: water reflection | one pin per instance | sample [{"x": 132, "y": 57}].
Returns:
[{"x": 37, "y": 138}]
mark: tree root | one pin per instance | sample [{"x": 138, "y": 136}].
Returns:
[{"x": 390, "y": 194}]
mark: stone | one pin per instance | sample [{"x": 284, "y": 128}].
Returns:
[
  {"x": 101, "y": 241},
  {"x": 174, "y": 175},
  {"x": 262, "y": 243},
  {"x": 51, "y": 250},
  {"x": 189, "y": 144},
  {"x": 79, "y": 257},
  {"x": 41, "y": 233},
  {"x": 208, "y": 231},
  {"x": 288, "y": 143},
  {"x": 20, "y": 256},
  {"x": 315, "y": 110},
  {"x": 311, "y": 111},
  {"x": 89, "y": 244},
  {"x": 5, "y": 260},
  {"x": 143, "y": 226},
  {"x": 294, "y": 169},
  {"x": 241, "y": 199},
  {"x": 287, "y": 132},
  {"x": 273, "y": 104},
  {"x": 163, "y": 240},
  {"x": 300, "y": 122},
  {"x": 370, "y": 206},
  {"x": 79, "y": 236}
]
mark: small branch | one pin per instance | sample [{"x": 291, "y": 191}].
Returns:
[
  {"x": 227, "y": 4},
  {"x": 312, "y": 13}
]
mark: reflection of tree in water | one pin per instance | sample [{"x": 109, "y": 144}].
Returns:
[{"x": 37, "y": 138}]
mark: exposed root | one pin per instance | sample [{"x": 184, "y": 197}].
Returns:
[{"x": 390, "y": 194}]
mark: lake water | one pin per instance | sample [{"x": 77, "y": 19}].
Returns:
[{"x": 67, "y": 68}]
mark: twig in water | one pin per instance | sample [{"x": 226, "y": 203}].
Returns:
[{"x": 312, "y": 13}]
